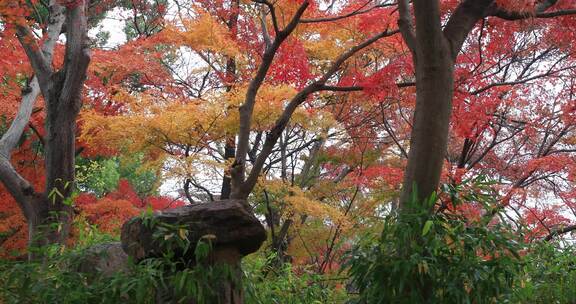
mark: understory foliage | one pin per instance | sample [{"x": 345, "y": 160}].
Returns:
[
  {"x": 417, "y": 257},
  {"x": 439, "y": 258},
  {"x": 154, "y": 278},
  {"x": 549, "y": 275},
  {"x": 288, "y": 284}
]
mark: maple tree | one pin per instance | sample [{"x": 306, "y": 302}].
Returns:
[
  {"x": 447, "y": 44},
  {"x": 174, "y": 132},
  {"x": 61, "y": 90}
]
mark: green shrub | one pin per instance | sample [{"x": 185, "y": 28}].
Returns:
[
  {"x": 435, "y": 258},
  {"x": 265, "y": 284},
  {"x": 56, "y": 279},
  {"x": 550, "y": 275}
]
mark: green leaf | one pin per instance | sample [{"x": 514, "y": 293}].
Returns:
[{"x": 427, "y": 227}]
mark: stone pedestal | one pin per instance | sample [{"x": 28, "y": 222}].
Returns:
[{"x": 230, "y": 227}]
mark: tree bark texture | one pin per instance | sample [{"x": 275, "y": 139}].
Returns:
[
  {"x": 434, "y": 53},
  {"x": 49, "y": 212}
]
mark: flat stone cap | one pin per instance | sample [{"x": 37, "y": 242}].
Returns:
[{"x": 229, "y": 224}]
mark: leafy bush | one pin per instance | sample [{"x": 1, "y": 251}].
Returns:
[
  {"x": 550, "y": 275},
  {"x": 57, "y": 279},
  {"x": 434, "y": 258},
  {"x": 265, "y": 284}
]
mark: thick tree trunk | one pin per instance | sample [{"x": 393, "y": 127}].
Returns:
[
  {"x": 47, "y": 227},
  {"x": 62, "y": 111},
  {"x": 434, "y": 52},
  {"x": 49, "y": 213},
  {"x": 434, "y": 91},
  {"x": 63, "y": 104},
  {"x": 429, "y": 138}
]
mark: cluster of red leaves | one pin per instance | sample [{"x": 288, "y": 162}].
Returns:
[
  {"x": 472, "y": 114},
  {"x": 382, "y": 84},
  {"x": 13, "y": 228},
  {"x": 291, "y": 65},
  {"x": 11, "y": 74},
  {"x": 371, "y": 176},
  {"x": 112, "y": 210},
  {"x": 541, "y": 220},
  {"x": 525, "y": 6},
  {"x": 217, "y": 8},
  {"x": 107, "y": 213},
  {"x": 113, "y": 68},
  {"x": 376, "y": 20},
  {"x": 15, "y": 11}
]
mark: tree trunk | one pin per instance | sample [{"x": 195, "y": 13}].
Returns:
[
  {"x": 49, "y": 213},
  {"x": 434, "y": 53},
  {"x": 434, "y": 91},
  {"x": 230, "y": 145}
]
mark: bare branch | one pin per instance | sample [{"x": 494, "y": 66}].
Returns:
[
  {"x": 31, "y": 92},
  {"x": 341, "y": 89},
  {"x": 540, "y": 11},
  {"x": 77, "y": 56},
  {"x": 247, "y": 108},
  {"x": 520, "y": 81},
  {"x": 19, "y": 188},
  {"x": 463, "y": 20},
  {"x": 342, "y": 58},
  {"x": 41, "y": 66},
  {"x": 560, "y": 231},
  {"x": 359, "y": 11},
  {"x": 12, "y": 136},
  {"x": 281, "y": 123},
  {"x": 272, "y": 14}
]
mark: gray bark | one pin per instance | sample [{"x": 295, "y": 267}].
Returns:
[{"x": 62, "y": 93}]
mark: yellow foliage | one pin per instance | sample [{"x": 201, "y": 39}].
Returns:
[
  {"x": 302, "y": 204},
  {"x": 149, "y": 124},
  {"x": 269, "y": 105},
  {"x": 203, "y": 33},
  {"x": 161, "y": 127},
  {"x": 299, "y": 202},
  {"x": 311, "y": 240},
  {"x": 326, "y": 42}
]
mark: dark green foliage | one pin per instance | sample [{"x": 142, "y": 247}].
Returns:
[
  {"x": 434, "y": 258},
  {"x": 550, "y": 275},
  {"x": 420, "y": 257},
  {"x": 265, "y": 284},
  {"x": 147, "y": 19},
  {"x": 57, "y": 280},
  {"x": 144, "y": 180}
]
